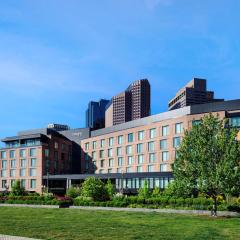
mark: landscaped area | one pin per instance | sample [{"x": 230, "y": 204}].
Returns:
[{"x": 83, "y": 224}]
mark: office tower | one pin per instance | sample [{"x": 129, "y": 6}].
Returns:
[
  {"x": 132, "y": 104},
  {"x": 95, "y": 114},
  {"x": 195, "y": 92}
]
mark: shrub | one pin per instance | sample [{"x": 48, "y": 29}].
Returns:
[
  {"x": 94, "y": 188},
  {"x": 73, "y": 192},
  {"x": 156, "y": 192},
  {"x": 144, "y": 191},
  {"x": 17, "y": 189},
  {"x": 110, "y": 189}
]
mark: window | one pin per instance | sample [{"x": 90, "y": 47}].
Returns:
[
  {"x": 163, "y": 167},
  {"x": 163, "y": 144},
  {"x": 33, "y": 162},
  {"x": 176, "y": 142},
  {"x": 101, "y": 153},
  {"x": 119, "y": 151},
  {"x": 179, "y": 128},
  {"x": 140, "y": 135},
  {"x": 196, "y": 122},
  {"x": 130, "y": 160},
  {"x": 152, "y": 157},
  {"x": 111, "y": 162},
  {"x": 128, "y": 169},
  {"x": 119, "y": 170},
  {"x": 4, "y": 164},
  {"x": 110, "y": 141},
  {"x": 140, "y": 159},
  {"x": 46, "y": 153},
  {"x": 94, "y": 155},
  {"x": 4, "y": 183},
  {"x": 12, "y": 173},
  {"x": 102, "y": 163},
  {"x": 3, "y": 154},
  {"x": 55, "y": 155},
  {"x": 4, "y": 173},
  {"x": 110, "y": 152},
  {"x": 12, "y": 154},
  {"x": 12, "y": 182},
  {"x": 94, "y": 144},
  {"x": 152, "y": 133},
  {"x": 63, "y": 147},
  {"x": 165, "y": 156},
  {"x": 140, "y": 148},
  {"x": 120, "y": 161},
  {"x": 101, "y": 171},
  {"x": 102, "y": 143},
  {"x": 139, "y": 169},
  {"x": 120, "y": 140},
  {"x": 23, "y": 163},
  {"x": 33, "y": 183},
  {"x": 86, "y": 146},
  {"x": 165, "y": 131},
  {"x": 23, "y": 183},
  {"x": 130, "y": 137},
  {"x": 22, "y": 152},
  {"x": 13, "y": 163},
  {"x": 22, "y": 172},
  {"x": 33, "y": 152},
  {"x": 32, "y": 172},
  {"x": 151, "y": 146},
  {"x": 150, "y": 168},
  {"x": 235, "y": 121},
  {"x": 129, "y": 149},
  {"x": 110, "y": 170}
]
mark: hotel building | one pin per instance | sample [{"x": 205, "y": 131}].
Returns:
[{"x": 129, "y": 153}]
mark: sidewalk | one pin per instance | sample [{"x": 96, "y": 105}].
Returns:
[{"x": 6, "y": 237}]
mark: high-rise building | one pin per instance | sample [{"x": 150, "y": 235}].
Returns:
[
  {"x": 133, "y": 103},
  {"x": 95, "y": 114},
  {"x": 195, "y": 92}
]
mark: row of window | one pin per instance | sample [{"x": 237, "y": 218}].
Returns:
[
  {"x": 140, "y": 136},
  {"x": 32, "y": 183},
  {"x": 22, "y": 153},
  {"x": 136, "y": 183},
  {"x": 130, "y": 160},
  {"x": 23, "y": 163},
  {"x": 139, "y": 148},
  {"x": 150, "y": 168},
  {"x": 22, "y": 172}
]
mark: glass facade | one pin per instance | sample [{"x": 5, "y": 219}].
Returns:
[{"x": 235, "y": 121}]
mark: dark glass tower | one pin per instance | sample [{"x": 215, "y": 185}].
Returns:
[{"x": 95, "y": 114}]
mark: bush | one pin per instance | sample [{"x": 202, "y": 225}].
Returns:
[
  {"x": 110, "y": 189},
  {"x": 17, "y": 190},
  {"x": 94, "y": 188},
  {"x": 144, "y": 191},
  {"x": 73, "y": 192},
  {"x": 156, "y": 192}
]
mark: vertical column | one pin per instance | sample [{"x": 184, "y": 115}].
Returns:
[{"x": 69, "y": 183}]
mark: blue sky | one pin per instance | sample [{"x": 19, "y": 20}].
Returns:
[{"x": 56, "y": 55}]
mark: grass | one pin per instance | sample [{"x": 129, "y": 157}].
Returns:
[{"x": 84, "y": 224}]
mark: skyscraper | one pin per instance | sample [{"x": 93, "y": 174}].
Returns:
[
  {"x": 95, "y": 114},
  {"x": 195, "y": 92},
  {"x": 133, "y": 103}
]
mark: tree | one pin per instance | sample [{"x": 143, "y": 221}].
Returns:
[
  {"x": 208, "y": 160},
  {"x": 73, "y": 191},
  {"x": 17, "y": 189},
  {"x": 95, "y": 189}
]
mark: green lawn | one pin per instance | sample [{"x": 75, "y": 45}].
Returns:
[{"x": 82, "y": 224}]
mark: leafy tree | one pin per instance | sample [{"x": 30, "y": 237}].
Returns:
[
  {"x": 17, "y": 189},
  {"x": 144, "y": 192},
  {"x": 95, "y": 189},
  {"x": 209, "y": 160},
  {"x": 110, "y": 188}
]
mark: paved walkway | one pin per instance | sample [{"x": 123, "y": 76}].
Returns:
[
  {"x": 173, "y": 211},
  {"x": 6, "y": 237}
]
